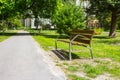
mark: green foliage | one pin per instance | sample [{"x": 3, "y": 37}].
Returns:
[
  {"x": 14, "y": 22},
  {"x": 68, "y": 18},
  {"x": 11, "y": 8},
  {"x": 6, "y": 7},
  {"x": 11, "y": 23},
  {"x": 22, "y": 6},
  {"x": 105, "y": 9},
  {"x": 17, "y": 23},
  {"x": 3, "y": 25},
  {"x": 44, "y": 8},
  {"x": 98, "y": 30},
  {"x": 102, "y": 6}
]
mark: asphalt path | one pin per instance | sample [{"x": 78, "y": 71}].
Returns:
[{"x": 21, "y": 58}]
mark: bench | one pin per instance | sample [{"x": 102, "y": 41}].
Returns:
[{"x": 80, "y": 38}]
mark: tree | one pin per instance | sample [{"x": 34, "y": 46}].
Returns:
[
  {"x": 106, "y": 6},
  {"x": 69, "y": 17},
  {"x": 39, "y": 8},
  {"x": 44, "y": 8},
  {"x": 6, "y": 7}
]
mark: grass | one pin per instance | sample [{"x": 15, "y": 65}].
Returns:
[
  {"x": 74, "y": 77},
  {"x": 106, "y": 52},
  {"x": 105, "y": 47},
  {"x": 6, "y": 35},
  {"x": 73, "y": 68},
  {"x": 93, "y": 71}
]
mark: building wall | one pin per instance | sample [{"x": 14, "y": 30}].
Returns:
[{"x": 28, "y": 22}]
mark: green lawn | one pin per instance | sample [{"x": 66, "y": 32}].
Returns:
[
  {"x": 6, "y": 35},
  {"x": 106, "y": 53}
]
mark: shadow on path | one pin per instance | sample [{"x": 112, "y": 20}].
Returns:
[{"x": 16, "y": 34}]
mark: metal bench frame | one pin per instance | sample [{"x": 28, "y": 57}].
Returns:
[{"x": 73, "y": 39}]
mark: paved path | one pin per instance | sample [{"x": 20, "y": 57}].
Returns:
[{"x": 22, "y": 59}]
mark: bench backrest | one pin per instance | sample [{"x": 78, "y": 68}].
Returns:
[{"x": 83, "y": 36}]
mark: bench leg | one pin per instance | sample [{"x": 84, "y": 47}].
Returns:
[
  {"x": 91, "y": 52},
  {"x": 70, "y": 56}
]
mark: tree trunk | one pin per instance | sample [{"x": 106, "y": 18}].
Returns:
[{"x": 112, "y": 32}]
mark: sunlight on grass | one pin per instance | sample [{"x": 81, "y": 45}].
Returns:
[
  {"x": 105, "y": 50},
  {"x": 107, "y": 47},
  {"x": 94, "y": 71},
  {"x": 103, "y": 46},
  {"x": 46, "y": 40}
]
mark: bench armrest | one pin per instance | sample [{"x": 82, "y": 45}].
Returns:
[{"x": 78, "y": 36}]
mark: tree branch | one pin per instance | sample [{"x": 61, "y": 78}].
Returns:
[{"x": 33, "y": 3}]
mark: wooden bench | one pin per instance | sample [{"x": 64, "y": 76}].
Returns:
[{"x": 80, "y": 38}]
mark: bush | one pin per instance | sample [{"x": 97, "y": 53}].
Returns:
[
  {"x": 18, "y": 24},
  {"x": 15, "y": 22},
  {"x": 98, "y": 30},
  {"x": 3, "y": 25},
  {"x": 68, "y": 18}
]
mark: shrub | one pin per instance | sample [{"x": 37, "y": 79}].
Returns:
[
  {"x": 68, "y": 18},
  {"x": 3, "y": 25},
  {"x": 98, "y": 30}
]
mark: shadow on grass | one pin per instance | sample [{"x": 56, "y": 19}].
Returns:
[
  {"x": 7, "y": 34},
  {"x": 64, "y": 55},
  {"x": 106, "y": 40},
  {"x": 101, "y": 37},
  {"x": 114, "y": 42}
]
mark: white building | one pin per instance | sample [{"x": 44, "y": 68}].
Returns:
[{"x": 29, "y": 22}]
